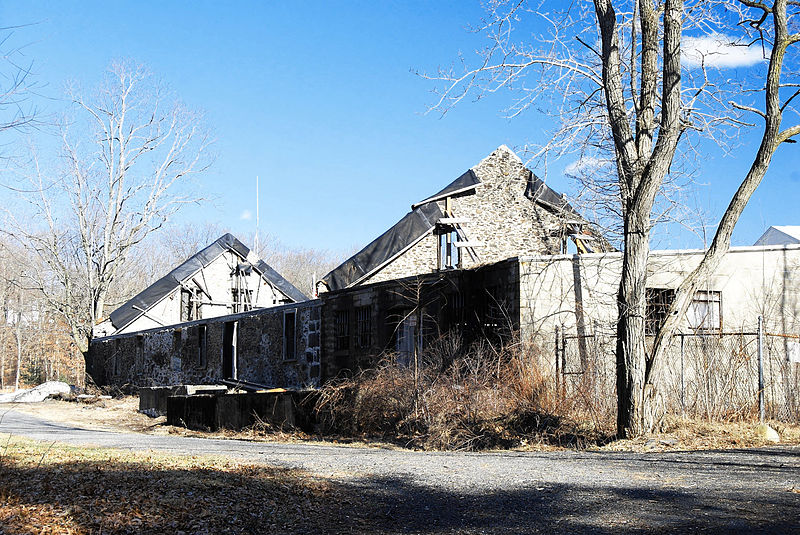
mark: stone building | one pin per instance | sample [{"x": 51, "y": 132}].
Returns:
[
  {"x": 485, "y": 257},
  {"x": 496, "y": 210},
  {"x": 276, "y": 346}
]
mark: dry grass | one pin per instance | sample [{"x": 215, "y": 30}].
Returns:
[
  {"x": 683, "y": 434},
  {"x": 479, "y": 399},
  {"x": 52, "y": 488}
]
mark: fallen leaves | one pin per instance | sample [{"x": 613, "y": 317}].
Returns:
[{"x": 49, "y": 488}]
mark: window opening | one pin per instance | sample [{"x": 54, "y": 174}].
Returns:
[
  {"x": 342, "y": 330},
  {"x": 406, "y": 339},
  {"x": 363, "y": 327},
  {"x": 658, "y": 302},
  {"x": 190, "y": 304},
  {"x": 449, "y": 253},
  {"x": 229, "y": 342},
  {"x": 241, "y": 296},
  {"x": 202, "y": 345},
  {"x": 289, "y": 335},
  {"x": 454, "y": 311},
  {"x": 242, "y": 300}
]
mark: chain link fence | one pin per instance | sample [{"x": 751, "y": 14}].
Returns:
[{"x": 710, "y": 376}]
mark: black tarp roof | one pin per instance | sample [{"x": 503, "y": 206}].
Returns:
[
  {"x": 465, "y": 182},
  {"x": 537, "y": 191},
  {"x": 166, "y": 284},
  {"x": 413, "y": 226}
]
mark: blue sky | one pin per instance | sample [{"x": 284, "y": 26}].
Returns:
[{"x": 318, "y": 100}]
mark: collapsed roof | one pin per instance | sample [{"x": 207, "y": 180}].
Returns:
[
  {"x": 164, "y": 286},
  {"x": 420, "y": 221}
]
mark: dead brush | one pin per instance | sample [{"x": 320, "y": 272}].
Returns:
[{"x": 482, "y": 397}]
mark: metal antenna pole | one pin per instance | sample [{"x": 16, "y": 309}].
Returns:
[{"x": 258, "y": 253}]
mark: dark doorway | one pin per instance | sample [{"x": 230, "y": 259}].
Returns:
[{"x": 229, "y": 351}]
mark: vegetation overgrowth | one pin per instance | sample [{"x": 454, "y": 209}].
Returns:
[{"x": 455, "y": 398}]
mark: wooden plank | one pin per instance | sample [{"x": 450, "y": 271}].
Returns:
[{"x": 452, "y": 220}]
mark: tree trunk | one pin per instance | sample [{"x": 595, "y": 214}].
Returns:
[
  {"x": 3, "y": 358},
  {"x": 633, "y": 409},
  {"x": 19, "y": 354}
]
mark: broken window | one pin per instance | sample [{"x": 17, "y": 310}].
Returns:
[
  {"x": 705, "y": 312},
  {"x": 449, "y": 253},
  {"x": 190, "y": 304},
  {"x": 242, "y": 300},
  {"x": 658, "y": 302},
  {"x": 289, "y": 333},
  {"x": 342, "y": 330},
  {"x": 363, "y": 327}
]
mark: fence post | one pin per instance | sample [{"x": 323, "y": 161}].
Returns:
[
  {"x": 761, "y": 368},
  {"x": 563, "y": 363},
  {"x": 558, "y": 377},
  {"x": 683, "y": 406}
]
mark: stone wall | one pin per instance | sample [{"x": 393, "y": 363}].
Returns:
[
  {"x": 500, "y": 217},
  {"x": 421, "y": 258},
  {"x": 472, "y": 303},
  {"x": 181, "y": 354}
]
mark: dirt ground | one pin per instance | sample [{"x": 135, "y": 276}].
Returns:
[
  {"x": 56, "y": 480},
  {"x": 121, "y": 414}
]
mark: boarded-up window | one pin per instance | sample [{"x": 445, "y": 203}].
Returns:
[
  {"x": 342, "y": 330},
  {"x": 705, "y": 312},
  {"x": 363, "y": 327}
]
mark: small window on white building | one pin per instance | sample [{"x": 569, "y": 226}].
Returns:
[
  {"x": 705, "y": 312},
  {"x": 190, "y": 304},
  {"x": 658, "y": 303}
]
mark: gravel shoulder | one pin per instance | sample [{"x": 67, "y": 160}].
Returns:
[{"x": 746, "y": 491}]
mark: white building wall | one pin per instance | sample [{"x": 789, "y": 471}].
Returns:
[
  {"x": 217, "y": 279},
  {"x": 752, "y": 281}
]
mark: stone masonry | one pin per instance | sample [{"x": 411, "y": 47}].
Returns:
[{"x": 500, "y": 217}]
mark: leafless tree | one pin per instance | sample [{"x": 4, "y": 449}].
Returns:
[
  {"x": 126, "y": 160},
  {"x": 16, "y": 84},
  {"x": 634, "y": 83}
]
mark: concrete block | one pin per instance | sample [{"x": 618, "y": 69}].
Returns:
[{"x": 155, "y": 398}]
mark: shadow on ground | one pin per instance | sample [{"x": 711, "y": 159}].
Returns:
[{"x": 112, "y": 496}]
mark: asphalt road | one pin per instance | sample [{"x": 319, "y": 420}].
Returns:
[{"x": 734, "y": 491}]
